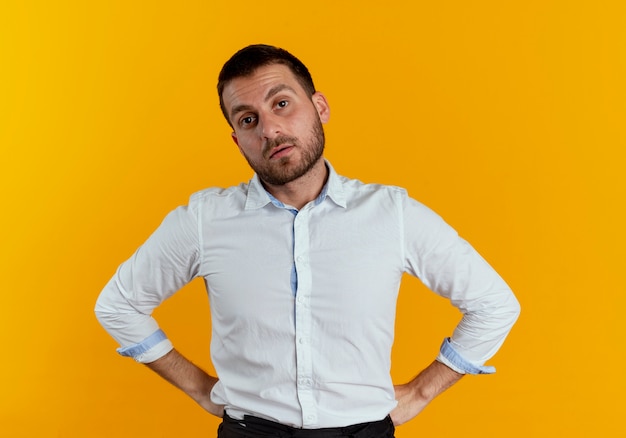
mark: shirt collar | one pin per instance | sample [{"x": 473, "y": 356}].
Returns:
[
  {"x": 334, "y": 187},
  {"x": 258, "y": 197}
]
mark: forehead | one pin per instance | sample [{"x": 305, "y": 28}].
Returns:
[{"x": 253, "y": 88}]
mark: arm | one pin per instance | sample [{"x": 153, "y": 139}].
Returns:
[
  {"x": 167, "y": 261},
  {"x": 414, "y": 396},
  {"x": 450, "y": 267},
  {"x": 186, "y": 376}
]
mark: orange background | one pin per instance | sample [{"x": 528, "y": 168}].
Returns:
[{"x": 507, "y": 118}]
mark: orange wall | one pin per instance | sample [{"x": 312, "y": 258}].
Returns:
[{"x": 508, "y": 118}]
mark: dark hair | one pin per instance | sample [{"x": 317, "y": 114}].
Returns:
[{"x": 247, "y": 60}]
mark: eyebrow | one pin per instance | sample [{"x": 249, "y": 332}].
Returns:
[
  {"x": 277, "y": 89},
  {"x": 271, "y": 93},
  {"x": 238, "y": 109}
]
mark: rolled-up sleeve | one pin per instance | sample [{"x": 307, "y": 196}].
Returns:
[
  {"x": 167, "y": 261},
  {"x": 449, "y": 266}
]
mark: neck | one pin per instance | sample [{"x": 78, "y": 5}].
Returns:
[{"x": 303, "y": 190}]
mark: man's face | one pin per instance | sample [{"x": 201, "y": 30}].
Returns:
[{"x": 277, "y": 127}]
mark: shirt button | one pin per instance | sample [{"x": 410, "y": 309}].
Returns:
[{"x": 302, "y": 340}]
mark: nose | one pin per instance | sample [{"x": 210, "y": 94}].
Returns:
[{"x": 269, "y": 125}]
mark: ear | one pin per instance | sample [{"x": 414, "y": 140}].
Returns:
[
  {"x": 236, "y": 140},
  {"x": 321, "y": 105}
]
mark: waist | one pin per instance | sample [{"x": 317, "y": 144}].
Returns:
[{"x": 260, "y": 427}]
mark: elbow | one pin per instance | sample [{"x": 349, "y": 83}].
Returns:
[
  {"x": 101, "y": 309},
  {"x": 516, "y": 307},
  {"x": 508, "y": 312}
]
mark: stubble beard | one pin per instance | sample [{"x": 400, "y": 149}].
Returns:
[{"x": 284, "y": 170}]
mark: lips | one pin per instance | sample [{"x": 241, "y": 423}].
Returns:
[{"x": 280, "y": 151}]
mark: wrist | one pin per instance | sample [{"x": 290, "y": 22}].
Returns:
[
  {"x": 431, "y": 382},
  {"x": 202, "y": 391},
  {"x": 421, "y": 391}
]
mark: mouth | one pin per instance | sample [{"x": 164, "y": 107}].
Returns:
[{"x": 280, "y": 151}]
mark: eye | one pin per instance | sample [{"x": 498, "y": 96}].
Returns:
[
  {"x": 282, "y": 104},
  {"x": 247, "y": 121}
]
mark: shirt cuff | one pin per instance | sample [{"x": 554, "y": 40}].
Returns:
[
  {"x": 449, "y": 357},
  {"x": 150, "y": 349}
]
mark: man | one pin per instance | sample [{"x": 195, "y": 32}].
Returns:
[{"x": 302, "y": 267}]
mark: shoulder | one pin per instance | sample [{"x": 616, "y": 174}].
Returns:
[
  {"x": 387, "y": 196},
  {"x": 355, "y": 188},
  {"x": 219, "y": 197},
  {"x": 216, "y": 202},
  {"x": 212, "y": 194}
]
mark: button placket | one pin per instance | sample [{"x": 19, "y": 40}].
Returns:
[{"x": 303, "y": 316}]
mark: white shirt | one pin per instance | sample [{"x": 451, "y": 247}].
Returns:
[{"x": 303, "y": 302}]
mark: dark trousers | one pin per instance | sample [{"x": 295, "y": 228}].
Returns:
[{"x": 253, "y": 427}]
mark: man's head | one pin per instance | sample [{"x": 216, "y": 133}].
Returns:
[
  {"x": 249, "y": 59},
  {"x": 276, "y": 114}
]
